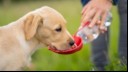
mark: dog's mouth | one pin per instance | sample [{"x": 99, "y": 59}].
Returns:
[
  {"x": 76, "y": 47},
  {"x": 51, "y": 47}
]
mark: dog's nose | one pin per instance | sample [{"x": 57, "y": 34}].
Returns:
[{"x": 71, "y": 43}]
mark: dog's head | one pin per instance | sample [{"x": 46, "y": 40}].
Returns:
[{"x": 49, "y": 27}]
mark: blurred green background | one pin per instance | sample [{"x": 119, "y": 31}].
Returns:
[{"x": 43, "y": 59}]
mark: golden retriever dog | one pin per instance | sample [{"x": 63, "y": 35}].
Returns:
[{"x": 21, "y": 38}]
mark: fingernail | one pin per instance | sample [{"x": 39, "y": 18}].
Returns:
[
  {"x": 98, "y": 21},
  {"x": 103, "y": 28}
]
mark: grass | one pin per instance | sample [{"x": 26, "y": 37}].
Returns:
[{"x": 43, "y": 59}]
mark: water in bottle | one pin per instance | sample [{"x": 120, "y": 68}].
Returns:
[{"x": 89, "y": 34}]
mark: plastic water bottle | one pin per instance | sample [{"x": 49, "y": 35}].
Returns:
[{"x": 89, "y": 34}]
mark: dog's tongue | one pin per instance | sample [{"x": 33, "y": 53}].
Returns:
[{"x": 77, "y": 46}]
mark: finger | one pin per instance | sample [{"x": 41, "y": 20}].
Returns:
[
  {"x": 96, "y": 17},
  {"x": 85, "y": 12},
  {"x": 84, "y": 9},
  {"x": 98, "y": 22},
  {"x": 104, "y": 29},
  {"x": 89, "y": 15},
  {"x": 102, "y": 26}
]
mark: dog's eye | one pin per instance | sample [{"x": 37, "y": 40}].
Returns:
[{"x": 58, "y": 29}]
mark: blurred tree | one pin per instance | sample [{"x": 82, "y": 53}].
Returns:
[
  {"x": 6, "y": 3},
  {"x": 0, "y": 1}
]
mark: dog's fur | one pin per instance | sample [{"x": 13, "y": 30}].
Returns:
[{"x": 19, "y": 39}]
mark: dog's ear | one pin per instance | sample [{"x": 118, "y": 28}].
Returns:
[{"x": 30, "y": 25}]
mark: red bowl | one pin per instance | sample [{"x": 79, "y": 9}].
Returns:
[{"x": 77, "y": 47}]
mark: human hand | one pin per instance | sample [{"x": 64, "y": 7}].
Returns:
[{"x": 96, "y": 11}]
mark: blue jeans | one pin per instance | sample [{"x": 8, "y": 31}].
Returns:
[{"x": 100, "y": 45}]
